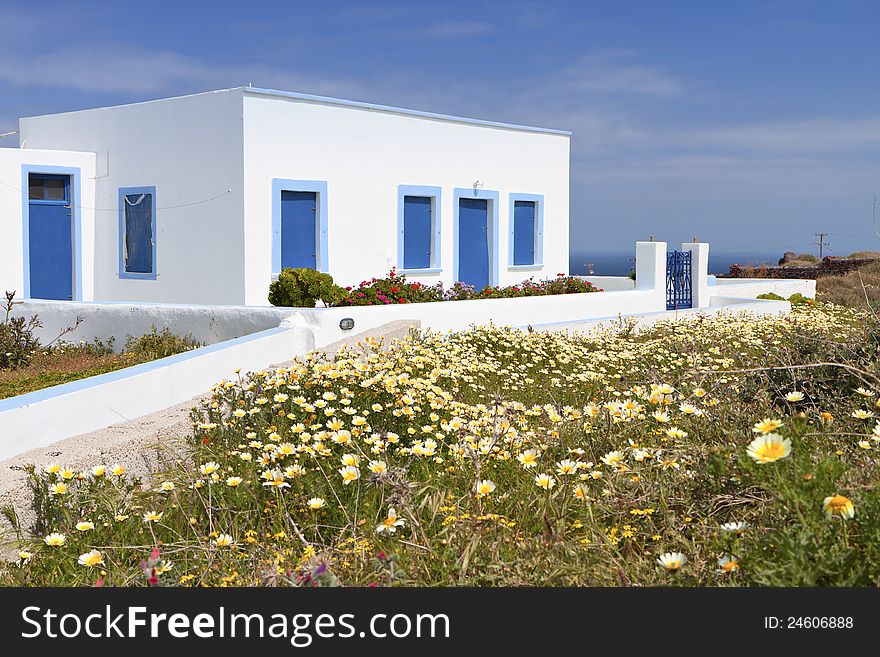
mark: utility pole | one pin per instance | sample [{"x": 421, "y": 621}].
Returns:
[{"x": 821, "y": 243}]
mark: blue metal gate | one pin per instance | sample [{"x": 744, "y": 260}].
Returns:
[{"x": 678, "y": 280}]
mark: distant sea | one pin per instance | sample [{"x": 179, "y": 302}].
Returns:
[{"x": 621, "y": 263}]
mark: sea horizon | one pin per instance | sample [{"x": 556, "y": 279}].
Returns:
[{"x": 620, "y": 263}]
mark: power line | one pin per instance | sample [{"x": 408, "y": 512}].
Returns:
[{"x": 165, "y": 207}]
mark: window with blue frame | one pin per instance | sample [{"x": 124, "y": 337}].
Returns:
[
  {"x": 417, "y": 226},
  {"x": 137, "y": 232},
  {"x": 524, "y": 223},
  {"x": 526, "y": 230}
]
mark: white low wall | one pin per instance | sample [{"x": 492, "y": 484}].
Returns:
[
  {"x": 458, "y": 315},
  {"x": 206, "y": 324},
  {"x": 719, "y": 305},
  {"x": 611, "y": 283},
  {"x": 46, "y": 416},
  {"x": 750, "y": 288}
]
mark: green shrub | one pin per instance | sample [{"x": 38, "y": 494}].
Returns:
[
  {"x": 158, "y": 344},
  {"x": 771, "y": 296},
  {"x": 798, "y": 298},
  {"x": 301, "y": 288},
  {"x": 17, "y": 340}
]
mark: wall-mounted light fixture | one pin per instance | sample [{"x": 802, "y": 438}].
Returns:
[
  {"x": 346, "y": 323},
  {"x": 477, "y": 185}
]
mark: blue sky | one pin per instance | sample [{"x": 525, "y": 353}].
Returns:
[{"x": 750, "y": 124}]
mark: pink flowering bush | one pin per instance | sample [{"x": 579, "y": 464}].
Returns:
[{"x": 394, "y": 288}]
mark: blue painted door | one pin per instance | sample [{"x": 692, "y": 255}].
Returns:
[
  {"x": 524, "y": 232},
  {"x": 50, "y": 237},
  {"x": 473, "y": 242},
  {"x": 416, "y": 232},
  {"x": 299, "y": 228}
]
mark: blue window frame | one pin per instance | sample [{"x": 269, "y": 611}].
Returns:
[
  {"x": 526, "y": 232},
  {"x": 319, "y": 189},
  {"x": 418, "y": 229},
  {"x": 137, "y": 232},
  {"x": 73, "y": 193},
  {"x": 491, "y": 198}
]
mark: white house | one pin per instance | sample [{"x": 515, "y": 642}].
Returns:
[{"x": 203, "y": 198}]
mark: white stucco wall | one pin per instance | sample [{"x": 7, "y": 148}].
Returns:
[
  {"x": 190, "y": 149},
  {"x": 364, "y": 154},
  {"x": 12, "y": 198},
  {"x": 751, "y": 287}
]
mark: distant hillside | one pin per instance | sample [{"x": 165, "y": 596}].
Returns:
[{"x": 806, "y": 265}]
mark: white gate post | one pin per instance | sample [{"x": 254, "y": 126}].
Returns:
[
  {"x": 651, "y": 272},
  {"x": 699, "y": 272}
]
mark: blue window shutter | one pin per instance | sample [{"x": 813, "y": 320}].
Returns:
[
  {"x": 417, "y": 230},
  {"x": 524, "y": 236},
  {"x": 139, "y": 236}
]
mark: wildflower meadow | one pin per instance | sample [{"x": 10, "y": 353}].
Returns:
[{"x": 723, "y": 451}]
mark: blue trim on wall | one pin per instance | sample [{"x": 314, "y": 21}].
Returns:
[
  {"x": 136, "y": 275},
  {"x": 538, "y": 200},
  {"x": 286, "y": 185},
  {"x": 326, "y": 100},
  {"x": 435, "y": 193},
  {"x": 11, "y": 403},
  {"x": 494, "y": 256},
  {"x": 75, "y": 213}
]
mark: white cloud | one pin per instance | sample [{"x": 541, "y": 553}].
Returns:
[{"x": 820, "y": 135}]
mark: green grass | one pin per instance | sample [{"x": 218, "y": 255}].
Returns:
[
  {"x": 646, "y": 437},
  {"x": 66, "y": 362}
]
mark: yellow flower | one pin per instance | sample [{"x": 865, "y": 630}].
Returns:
[
  {"x": 55, "y": 539},
  {"x": 54, "y": 468},
  {"x": 167, "y": 486},
  {"x": 316, "y": 503},
  {"x": 545, "y": 481},
  {"x": 672, "y": 561},
  {"x": 485, "y": 487},
  {"x": 566, "y": 467},
  {"x": 209, "y": 468},
  {"x": 390, "y": 524},
  {"x": 93, "y": 558},
  {"x": 67, "y": 474},
  {"x": 349, "y": 473},
  {"x": 838, "y": 505},
  {"x": 85, "y": 526},
  {"x": 378, "y": 467},
  {"x": 58, "y": 489},
  {"x": 728, "y": 564},
  {"x": 99, "y": 471},
  {"x": 275, "y": 478},
  {"x": 24, "y": 555},
  {"x": 153, "y": 516},
  {"x": 232, "y": 482},
  {"x": 223, "y": 540},
  {"x": 767, "y": 426},
  {"x": 769, "y": 447},
  {"x": 614, "y": 459},
  {"x": 862, "y": 414},
  {"x": 118, "y": 470},
  {"x": 794, "y": 397},
  {"x": 528, "y": 459}
]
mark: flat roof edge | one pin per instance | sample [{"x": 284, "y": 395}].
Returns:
[{"x": 339, "y": 102}]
